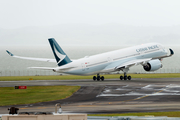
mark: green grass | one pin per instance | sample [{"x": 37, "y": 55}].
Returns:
[
  {"x": 168, "y": 114},
  {"x": 73, "y": 77},
  {"x": 11, "y": 96}
]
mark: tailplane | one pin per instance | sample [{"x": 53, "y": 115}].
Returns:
[{"x": 59, "y": 54}]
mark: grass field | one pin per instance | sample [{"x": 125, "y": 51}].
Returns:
[
  {"x": 168, "y": 114},
  {"x": 73, "y": 77},
  {"x": 11, "y": 96}
]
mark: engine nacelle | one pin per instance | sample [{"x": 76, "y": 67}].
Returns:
[{"x": 153, "y": 65}]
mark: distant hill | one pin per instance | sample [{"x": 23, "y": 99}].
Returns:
[{"x": 84, "y": 34}]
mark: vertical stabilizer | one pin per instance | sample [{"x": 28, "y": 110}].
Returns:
[{"x": 59, "y": 54}]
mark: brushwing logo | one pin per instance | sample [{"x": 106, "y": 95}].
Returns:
[{"x": 59, "y": 55}]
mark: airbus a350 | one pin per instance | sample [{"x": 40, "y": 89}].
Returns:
[{"x": 148, "y": 55}]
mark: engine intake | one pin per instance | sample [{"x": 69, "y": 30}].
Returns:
[{"x": 153, "y": 65}]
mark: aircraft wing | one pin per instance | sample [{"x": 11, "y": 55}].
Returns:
[
  {"x": 30, "y": 58},
  {"x": 133, "y": 62},
  {"x": 54, "y": 69},
  {"x": 126, "y": 65}
]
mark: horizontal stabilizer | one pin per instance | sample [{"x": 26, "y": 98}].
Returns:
[
  {"x": 54, "y": 69},
  {"x": 43, "y": 68}
]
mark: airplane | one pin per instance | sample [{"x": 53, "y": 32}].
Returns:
[{"x": 148, "y": 55}]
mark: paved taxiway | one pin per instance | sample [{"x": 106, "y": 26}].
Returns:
[{"x": 109, "y": 96}]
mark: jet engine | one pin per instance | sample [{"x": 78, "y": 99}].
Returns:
[{"x": 153, "y": 65}]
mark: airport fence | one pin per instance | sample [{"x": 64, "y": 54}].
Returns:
[
  {"x": 27, "y": 73},
  {"x": 46, "y": 72}
]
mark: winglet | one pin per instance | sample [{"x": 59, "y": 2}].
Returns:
[
  {"x": 171, "y": 51},
  {"x": 9, "y": 53}
]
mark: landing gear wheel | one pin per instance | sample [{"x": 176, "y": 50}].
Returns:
[
  {"x": 94, "y": 78},
  {"x": 129, "y": 77},
  {"x": 98, "y": 78},
  {"x": 102, "y": 78},
  {"x": 121, "y": 77},
  {"x": 125, "y": 77}
]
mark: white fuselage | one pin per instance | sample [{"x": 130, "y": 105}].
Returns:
[{"x": 107, "y": 62}]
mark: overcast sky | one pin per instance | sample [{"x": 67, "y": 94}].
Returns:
[{"x": 25, "y": 13}]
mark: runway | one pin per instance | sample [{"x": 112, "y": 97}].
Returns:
[
  {"x": 109, "y": 96},
  {"x": 88, "y": 82}
]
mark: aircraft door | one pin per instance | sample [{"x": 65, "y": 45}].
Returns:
[
  {"x": 109, "y": 59},
  {"x": 83, "y": 66}
]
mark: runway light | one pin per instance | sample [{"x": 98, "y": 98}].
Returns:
[{"x": 16, "y": 87}]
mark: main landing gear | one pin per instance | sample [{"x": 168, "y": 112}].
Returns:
[
  {"x": 98, "y": 78},
  {"x": 125, "y": 77}
]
